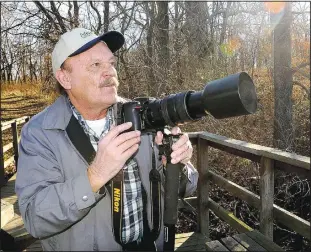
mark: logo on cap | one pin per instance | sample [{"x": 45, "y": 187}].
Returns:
[{"x": 85, "y": 34}]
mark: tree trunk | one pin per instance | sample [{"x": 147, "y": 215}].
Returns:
[
  {"x": 152, "y": 90},
  {"x": 163, "y": 46},
  {"x": 106, "y": 16},
  {"x": 178, "y": 46},
  {"x": 196, "y": 28},
  {"x": 76, "y": 14},
  {"x": 283, "y": 82}
]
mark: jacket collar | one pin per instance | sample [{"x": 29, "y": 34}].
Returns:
[{"x": 59, "y": 113}]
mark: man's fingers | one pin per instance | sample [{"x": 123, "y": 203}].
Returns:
[
  {"x": 126, "y": 136},
  {"x": 175, "y": 130},
  {"x": 158, "y": 138},
  {"x": 126, "y": 145},
  {"x": 181, "y": 150},
  {"x": 181, "y": 141},
  {"x": 116, "y": 130},
  {"x": 184, "y": 157},
  {"x": 130, "y": 151}
]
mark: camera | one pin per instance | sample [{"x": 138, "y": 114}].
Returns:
[{"x": 234, "y": 95}]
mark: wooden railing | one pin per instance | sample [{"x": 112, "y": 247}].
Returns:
[
  {"x": 269, "y": 159},
  {"x": 12, "y": 124}
]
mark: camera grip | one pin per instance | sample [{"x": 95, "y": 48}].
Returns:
[{"x": 131, "y": 112}]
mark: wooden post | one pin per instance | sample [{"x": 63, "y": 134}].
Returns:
[
  {"x": 203, "y": 187},
  {"x": 2, "y": 177},
  {"x": 266, "y": 196},
  {"x": 15, "y": 141}
]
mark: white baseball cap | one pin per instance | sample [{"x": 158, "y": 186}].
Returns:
[{"x": 79, "y": 40}]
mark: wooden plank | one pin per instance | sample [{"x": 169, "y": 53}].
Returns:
[
  {"x": 9, "y": 161},
  {"x": 235, "y": 189},
  {"x": 7, "y": 212},
  {"x": 292, "y": 221},
  {"x": 248, "y": 243},
  {"x": 36, "y": 246},
  {"x": 234, "y": 151},
  {"x": 18, "y": 120},
  {"x": 286, "y": 157},
  {"x": 228, "y": 217},
  {"x": 16, "y": 228},
  {"x": 9, "y": 145},
  {"x": 203, "y": 188},
  {"x": 302, "y": 173},
  {"x": 263, "y": 241},
  {"x": 191, "y": 236},
  {"x": 266, "y": 185},
  {"x": 200, "y": 247},
  {"x": 193, "y": 138},
  {"x": 285, "y": 217},
  {"x": 215, "y": 246},
  {"x": 190, "y": 241},
  {"x": 232, "y": 244},
  {"x": 2, "y": 172},
  {"x": 15, "y": 141}
]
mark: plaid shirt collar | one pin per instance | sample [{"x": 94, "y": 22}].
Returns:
[{"x": 87, "y": 129}]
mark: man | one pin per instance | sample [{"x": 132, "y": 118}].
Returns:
[{"x": 71, "y": 151}]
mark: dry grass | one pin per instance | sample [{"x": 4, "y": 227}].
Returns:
[{"x": 17, "y": 100}]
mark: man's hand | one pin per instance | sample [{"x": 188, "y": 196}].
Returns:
[
  {"x": 182, "y": 149},
  {"x": 114, "y": 149}
]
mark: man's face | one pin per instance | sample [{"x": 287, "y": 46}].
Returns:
[{"x": 93, "y": 77}]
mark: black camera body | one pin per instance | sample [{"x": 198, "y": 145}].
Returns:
[{"x": 231, "y": 96}]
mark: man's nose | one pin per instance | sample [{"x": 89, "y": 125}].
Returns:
[{"x": 110, "y": 71}]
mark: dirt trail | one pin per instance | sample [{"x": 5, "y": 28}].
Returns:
[{"x": 15, "y": 106}]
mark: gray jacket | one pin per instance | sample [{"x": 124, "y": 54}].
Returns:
[{"x": 54, "y": 194}]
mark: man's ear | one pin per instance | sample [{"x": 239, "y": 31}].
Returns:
[{"x": 63, "y": 78}]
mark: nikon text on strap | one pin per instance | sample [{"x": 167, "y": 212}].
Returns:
[{"x": 117, "y": 205}]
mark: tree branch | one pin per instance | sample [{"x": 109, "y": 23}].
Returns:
[
  {"x": 58, "y": 17},
  {"x": 303, "y": 87},
  {"x": 49, "y": 17},
  {"x": 99, "y": 24}
]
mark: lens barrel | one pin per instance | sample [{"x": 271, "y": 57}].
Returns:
[{"x": 234, "y": 95}]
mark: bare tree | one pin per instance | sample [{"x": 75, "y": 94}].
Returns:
[
  {"x": 162, "y": 38},
  {"x": 283, "y": 81}
]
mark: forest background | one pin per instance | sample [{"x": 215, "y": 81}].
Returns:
[{"x": 172, "y": 47}]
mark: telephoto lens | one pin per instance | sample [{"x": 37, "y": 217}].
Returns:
[{"x": 234, "y": 95}]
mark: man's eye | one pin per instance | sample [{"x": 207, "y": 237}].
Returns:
[{"x": 96, "y": 64}]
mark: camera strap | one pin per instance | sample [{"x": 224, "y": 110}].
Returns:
[
  {"x": 117, "y": 205},
  {"x": 155, "y": 193},
  {"x": 117, "y": 190}
]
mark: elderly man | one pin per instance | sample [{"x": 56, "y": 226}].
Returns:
[{"x": 72, "y": 151}]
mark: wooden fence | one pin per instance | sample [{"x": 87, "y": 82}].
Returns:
[
  {"x": 14, "y": 144},
  {"x": 269, "y": 160}
]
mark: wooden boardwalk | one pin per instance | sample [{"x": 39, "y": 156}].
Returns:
[
  {"x": 183, "y": 242},
  {"x": 250, "y": 241},
  {"x": 15, "y": 227}
]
